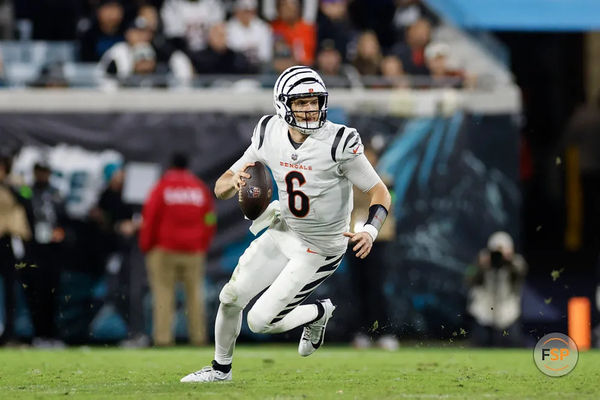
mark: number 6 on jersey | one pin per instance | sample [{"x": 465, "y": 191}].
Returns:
[{"x": 292, "y": 194}]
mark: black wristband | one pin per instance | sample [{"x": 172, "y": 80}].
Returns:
[{"x": 377, "y": 215}]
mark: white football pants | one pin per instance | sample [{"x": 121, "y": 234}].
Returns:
[{"x": 289, "y": 270}]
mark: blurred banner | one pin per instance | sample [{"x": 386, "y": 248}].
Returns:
[{"x": 454, "y": 178}]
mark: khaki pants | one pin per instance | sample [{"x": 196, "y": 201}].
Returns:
[{"x": 165, "y": 269}]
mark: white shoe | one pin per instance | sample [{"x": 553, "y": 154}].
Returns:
[
  {"x": 313, "y": 334},
  {"x": 207, "y": 374}
]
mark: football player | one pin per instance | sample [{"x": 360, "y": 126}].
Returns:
[{"x": 315, "y": 163}]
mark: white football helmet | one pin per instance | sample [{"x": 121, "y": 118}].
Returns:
[{"x": 296, "y": 82}]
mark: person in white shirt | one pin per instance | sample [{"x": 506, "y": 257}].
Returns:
[
  {"x": 186, "y": 22},
  {"x": 248, "y": 34},
  {"x": 119, "y": 62}
]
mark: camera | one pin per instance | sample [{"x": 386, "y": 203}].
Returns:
[{"x": 496, "y": 259}]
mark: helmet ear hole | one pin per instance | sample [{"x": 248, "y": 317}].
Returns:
[
  {"x": 282, "y": 98},
  {"x": 322, "y": 101}
]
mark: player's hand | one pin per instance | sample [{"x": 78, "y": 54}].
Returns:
[
  {"x": 238, "y": 177},
  {"x": 363, "y": 242}
]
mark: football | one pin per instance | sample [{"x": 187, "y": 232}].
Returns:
[{"x": 255, "y": 196}]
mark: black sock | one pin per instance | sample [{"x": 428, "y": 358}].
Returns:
[
  {"x": 320, "y": 312},
  {"x": 220, "y": 367}
]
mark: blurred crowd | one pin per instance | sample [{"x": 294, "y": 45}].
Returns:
[
  {"x": 40, "y": 242},
  {"x": 345, "y": 40}
]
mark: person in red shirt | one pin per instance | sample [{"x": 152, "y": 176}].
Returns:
[
  {"x": 178, "y": 225},
  {"x": 300, "y": 36}
]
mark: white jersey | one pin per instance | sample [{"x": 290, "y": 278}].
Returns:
[{"x": 314, "y": 191}]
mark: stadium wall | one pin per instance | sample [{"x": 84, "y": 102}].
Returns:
[{"x": 450, "y": 156}]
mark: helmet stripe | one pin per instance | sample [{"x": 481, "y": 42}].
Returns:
[
  {"x": 288, "y": 72},
  {"x": 304, "y": 80},
  {"x": 293, "y": 76}
]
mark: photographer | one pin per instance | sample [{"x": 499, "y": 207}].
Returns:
[{"x": 494, "y": 301}]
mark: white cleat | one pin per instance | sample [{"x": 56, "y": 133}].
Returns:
[
  {"x": 313, "y": 334},
  {"x": 207, "y": 374}
]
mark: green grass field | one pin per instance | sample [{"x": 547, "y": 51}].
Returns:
[{"x": 277, "y": 372}]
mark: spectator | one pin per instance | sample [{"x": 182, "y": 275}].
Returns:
[
  {"x": 329, "y": 60},
  {"x": 297, "y": 34},
  {"x": 368, "y": 276},
  {"x": 217, "y": 58},
  {"x": 103, "y": 32},
  {"x": 119, "y": 228},
  {"x": 150, "y": 14},
  {"x": 494, "y": 302},
  {"x": 42, "y": 281},
  {"x": 149, "y": 17},
  {"x": 412, "y": 51},
  {"x": 368, "y": 54},
  {"x": 186, "y": 22},
  {"x": 178, "y": 226},
  {"x": 136, "y": 56},
  {"x": 437, "y": 59},
  {"x": 334, "y": 24},
  {"x": 144, "y": 59},
  {"x": 15, "y": 227},
  {"x": 116, "y": 214},
  {"x": 393, "y": 72},
  {"x": 282, "y": 55},
  {"x": 163, "y": 49},
  {"x": 309, "y": 11},
  {"x": 331, "y": 66},
  {"x": 249, "y": 35},
  {"x": 407, "y": 13}
]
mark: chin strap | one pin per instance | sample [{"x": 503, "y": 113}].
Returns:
[{"x": 377, "y": 216}]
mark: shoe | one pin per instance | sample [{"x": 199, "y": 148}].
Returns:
[
  {"x": 313, "y": 334},
  {"x": 207, "y": 374}
]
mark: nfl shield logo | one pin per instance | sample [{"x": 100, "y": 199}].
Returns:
[
  {"x": 294, "y": 156},
  {"x": 254, "y": 192}
]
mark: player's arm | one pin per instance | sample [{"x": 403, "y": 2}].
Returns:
[
  {"x": 362, "y": 174},
  {"x": 230, "y": 182},
  {"x": 379, "y": 194}
]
